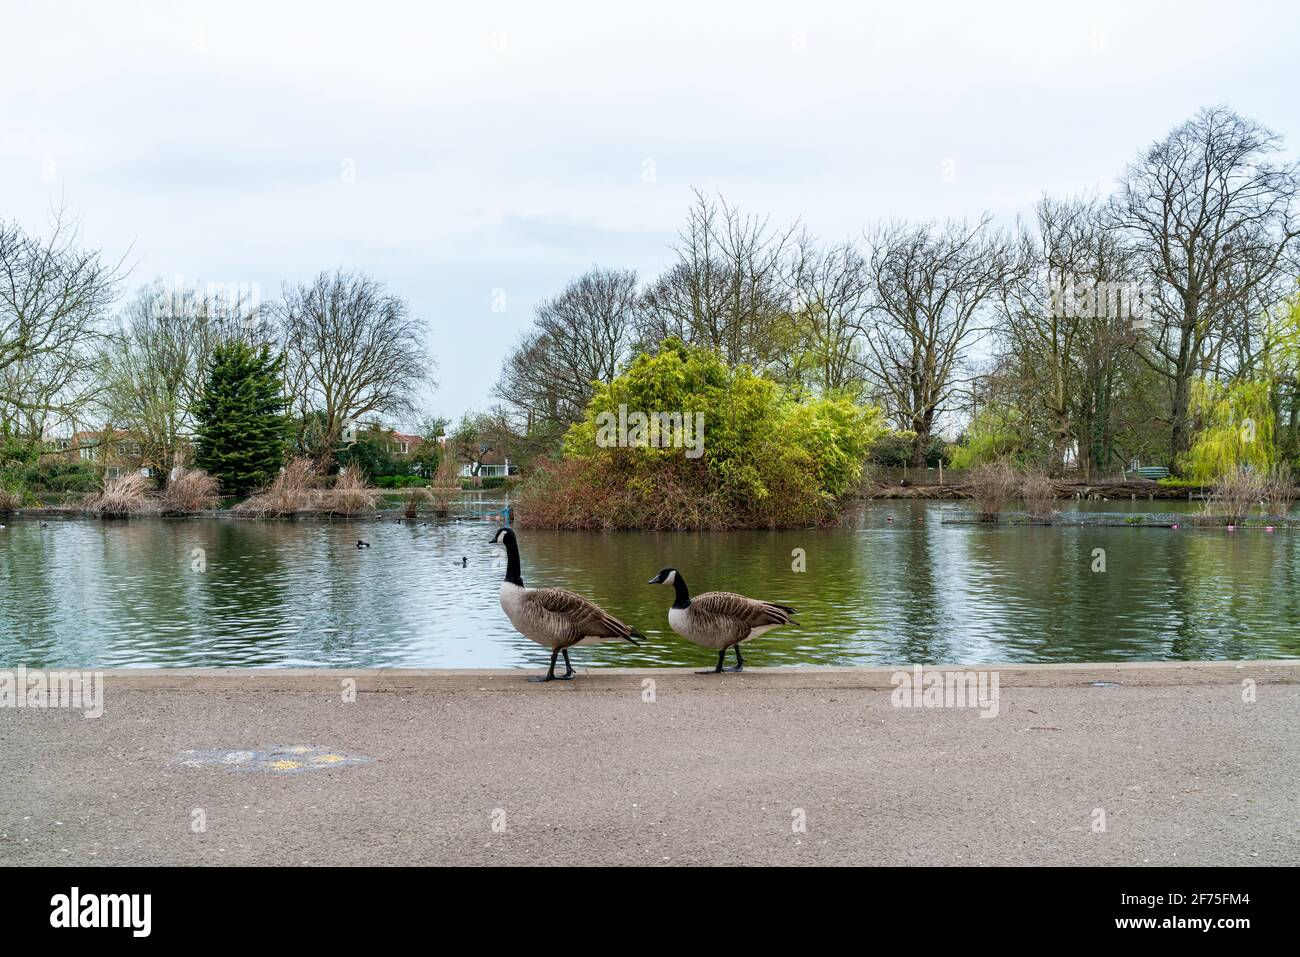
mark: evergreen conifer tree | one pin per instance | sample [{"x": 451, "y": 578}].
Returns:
[{"x": 240, "y": 437}]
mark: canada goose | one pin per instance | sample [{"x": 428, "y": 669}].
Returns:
[
  {"x": 720, "y": 619},
  {"x": 361, "y": 544},
  {"x": 553, "y": 617}
]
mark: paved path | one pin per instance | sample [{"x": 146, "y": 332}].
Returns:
[{"x": 709, "y": 771}]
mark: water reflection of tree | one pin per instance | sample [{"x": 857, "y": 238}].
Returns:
[
  {"x": 357, "y": 595},
  {"x": 1057, "y": 597},
  {"x": 836, "y": 594},
  {"x": 240, "y": 605},
  {"x": 1232, "y": 590},
  {"x": 923, "y": 640},
  {"x": 36, "y": 573}
]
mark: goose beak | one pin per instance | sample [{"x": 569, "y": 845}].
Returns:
[{"x": 654, "y": 581}]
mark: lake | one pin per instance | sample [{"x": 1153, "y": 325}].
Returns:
[{"x": 204, "y": 592}]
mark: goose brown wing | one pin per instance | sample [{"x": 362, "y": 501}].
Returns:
[
  {"x": 749, "y": 611},
  {"x": 588, "y": 618}
]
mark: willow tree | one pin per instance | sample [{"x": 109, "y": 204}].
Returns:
[
  {"x": 1281, "y": 364},
  {"x": 1237, "y": 429}
]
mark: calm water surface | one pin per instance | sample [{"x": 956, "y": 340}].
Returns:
[{"x": 283, "y": 594}]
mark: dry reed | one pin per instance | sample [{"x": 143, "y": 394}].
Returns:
[{"x": 190, "y": 490}]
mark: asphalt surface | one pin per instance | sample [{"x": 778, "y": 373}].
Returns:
[{"x": 719, "y": 775}]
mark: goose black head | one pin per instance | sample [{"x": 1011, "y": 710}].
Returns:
[
  {"x": 671, "y": 576},
  {"x": 504, "y": 536}
]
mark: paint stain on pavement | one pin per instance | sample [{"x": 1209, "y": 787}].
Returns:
[{"x": 286, "y": 760}]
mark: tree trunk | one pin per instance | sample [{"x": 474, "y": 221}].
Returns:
[
  {"x": 921, "y": 444},
  {"x": 1180, "y": 439}
]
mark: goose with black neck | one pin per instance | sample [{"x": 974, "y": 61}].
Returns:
[
  {"x": 555, "y": 618},
  {"x": 720, "y": 619}
]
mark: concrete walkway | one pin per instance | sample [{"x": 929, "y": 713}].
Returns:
[{"x": 782, "y": 766}]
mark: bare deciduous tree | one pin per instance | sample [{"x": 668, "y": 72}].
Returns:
[
  {"x": 729, "y": 288},
  {"x": 832, "y": 297},
  {"x": 931, "y": 286},
  {"x": 54, "y": 299},
  {"x": 157, "y": 363},
  {"x": 351, "y": 349},
  {"x": 1214, "y": 219},
  {"x": 579, "y": 337},
  {"x": 1069, "y": 319}
]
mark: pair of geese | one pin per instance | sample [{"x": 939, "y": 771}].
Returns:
[{"x": 558, "y": 619}]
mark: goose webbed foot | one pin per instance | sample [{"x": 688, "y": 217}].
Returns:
[
  {"x": 718, "y": 670},
  {"x": 550, "y": 674}
]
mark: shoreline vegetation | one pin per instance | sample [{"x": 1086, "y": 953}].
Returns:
[
  {"x": 771, "y": 463},
  {"x": 767, "y": 460},
  {"x": 757, "y": 382},
  {"x": 612, "y": 487},
  {"x": 351, "y": 499}
]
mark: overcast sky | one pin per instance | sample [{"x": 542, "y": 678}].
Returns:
[{"x": 452, "y": 152}]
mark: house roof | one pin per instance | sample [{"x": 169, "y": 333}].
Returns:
[{"x": 79, "y": 438}]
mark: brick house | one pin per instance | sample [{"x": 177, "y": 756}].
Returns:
[
  {"x": 112, "y": 452},
  {"x": 400, "y": 445}
]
